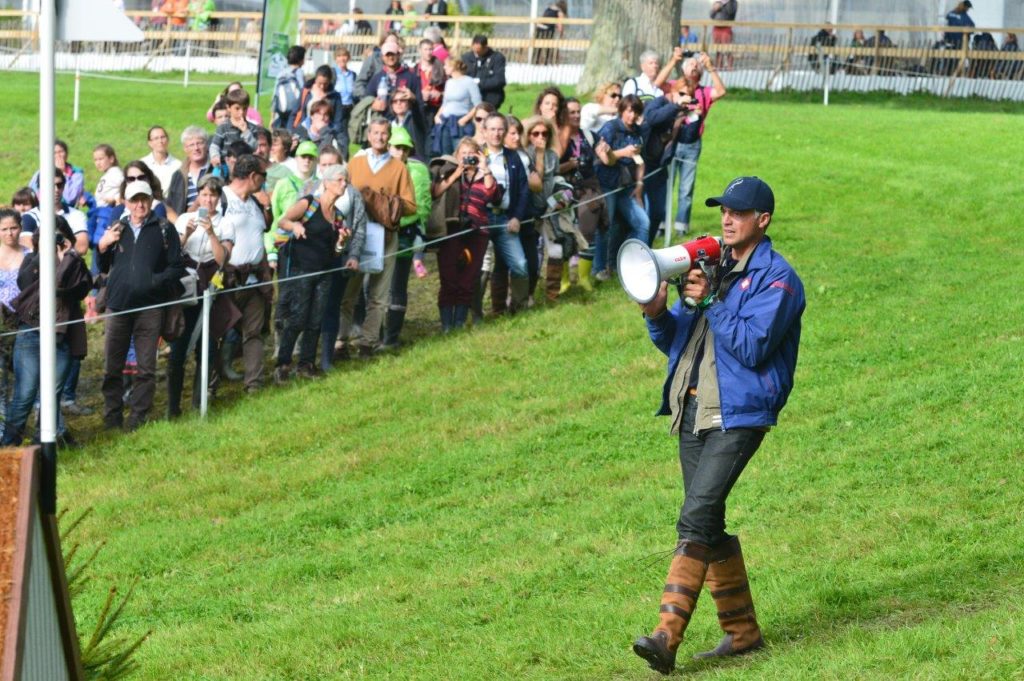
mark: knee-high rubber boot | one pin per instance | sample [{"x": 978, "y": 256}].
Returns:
[
  {"x": 728, "y": 584},
  {"x": 447, "y": 317},
  {"x": 583, "y": 274},
  {"x": 393, "y": 323},
  {"x": 553, "y": 280},
  {"x": 499, "y": 291},
  {"x": 478, "y": 296},
  {"x": 461, "y": 315},
  {"x": 227, "y": 356},
  {"x": 685, "y": 579},
  {"x": 520, "y": 290},
  {"x": 175, "y": 384},
  {"x": 566, "y": 282}
]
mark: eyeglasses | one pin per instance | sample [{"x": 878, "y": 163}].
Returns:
[
  {"x": 480, "y": 119},
  {"x": 614, "y": 95},
  {"x": 58, "y": 185},
  {"x": 539, "y": 133},
  {"x": 136, "y": 178}
]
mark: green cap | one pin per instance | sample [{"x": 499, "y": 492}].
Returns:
[
  {"x": 307, "y": 148},
  {"x": 400, "y": 137}
]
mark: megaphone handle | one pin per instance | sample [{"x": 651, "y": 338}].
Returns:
[{"x": 687, "y": 301}]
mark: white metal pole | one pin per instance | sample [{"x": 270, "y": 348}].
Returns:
[
  {"x": 78, "y": 86},
  {"x": 47, "y": 263},
  {"x": 533, "y": 29},
  {"x": 828, "y": 75},
  {"x": 670, "y": 222},
  {"x": 204, "y": 372},
  {"x": 188, "y": 61}
]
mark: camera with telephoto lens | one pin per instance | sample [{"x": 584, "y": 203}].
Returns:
[{"x": 471, "y": 160}]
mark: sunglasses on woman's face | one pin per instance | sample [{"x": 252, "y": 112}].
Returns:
[
  {"x": 136, "y": 178},
  {"x": 539, "y": 133},
  {"x": 615, "y": 95},
  {"x": 480, "y": 119}
]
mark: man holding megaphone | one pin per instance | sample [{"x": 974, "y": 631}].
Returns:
[{"x": 731, "y": 360}]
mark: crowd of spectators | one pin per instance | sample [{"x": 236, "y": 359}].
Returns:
[
  {"x": 314, "y": 249},
  {"x": 310, "y": 230}
]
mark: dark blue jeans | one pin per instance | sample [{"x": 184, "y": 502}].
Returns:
[
  {"x": 711, "y": 462},
  {"x": 655, "y": 195},
  {"x": 26, "y": 384}
]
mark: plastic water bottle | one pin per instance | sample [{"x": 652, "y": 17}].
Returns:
[{"x": 382, "y": 89}]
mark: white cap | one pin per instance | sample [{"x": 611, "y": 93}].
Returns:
[{"x": 138, "y": 187}]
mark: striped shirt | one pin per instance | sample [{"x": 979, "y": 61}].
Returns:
[{"x": 475, "y": 198}]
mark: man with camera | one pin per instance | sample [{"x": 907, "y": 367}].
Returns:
[{"x": 732, "y": 357}]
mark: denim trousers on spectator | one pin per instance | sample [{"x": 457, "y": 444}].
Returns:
[
  {"x": 655, "y": 195},
  {"x": 26, "y": 384},
  {"x": 625, "y": 217},
  {"x": 711, "y": 462},
  {"x": 304, "y": 315},
  {"x": 507, "y": 246},
  {"x": 71, "y": 384},
  {"x": 686, "y": 168},
  {"x": 529, "y": 237}
]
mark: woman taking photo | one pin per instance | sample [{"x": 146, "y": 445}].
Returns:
[
  {"x": 206, "y": 242},
  {"x": 466, "y": 190},
  {"x": 697, "y": 100},
  {"x": 621, "y": 173}
]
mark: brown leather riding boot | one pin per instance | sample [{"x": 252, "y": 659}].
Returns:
[
  {"x": 727, "y": 582},
  {"x": 553, "y": 280},
  {"x": 685, "y": 578}
]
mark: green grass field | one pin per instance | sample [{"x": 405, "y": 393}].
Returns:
[{"x": 498, "y": 503}]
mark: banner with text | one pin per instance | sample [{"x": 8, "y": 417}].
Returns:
[{"x": 280, "y": 31}]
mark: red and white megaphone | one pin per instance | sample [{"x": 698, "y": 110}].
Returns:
[{"x": 642, "y": 268}]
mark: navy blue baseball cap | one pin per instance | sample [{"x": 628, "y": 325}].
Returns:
[{"x": 746, "y": 193}]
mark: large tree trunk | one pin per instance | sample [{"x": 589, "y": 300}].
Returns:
[{"x": 623, "y": 29}]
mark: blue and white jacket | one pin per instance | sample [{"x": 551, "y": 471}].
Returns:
[{"x": 756, "y": 330}]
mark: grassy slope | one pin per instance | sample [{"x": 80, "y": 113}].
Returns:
[{"x": 490, "y": 504}]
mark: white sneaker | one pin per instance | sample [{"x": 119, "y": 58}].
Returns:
[{"x": 682, "y": 228}]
